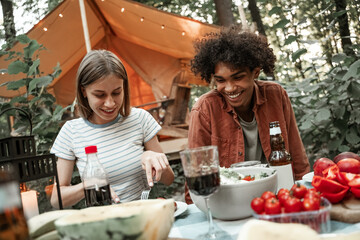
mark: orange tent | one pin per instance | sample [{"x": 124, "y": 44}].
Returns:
[{"x": 154, "y": 45}]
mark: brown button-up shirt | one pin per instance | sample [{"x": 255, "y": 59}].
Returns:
[{"x": 214, "y": 122}]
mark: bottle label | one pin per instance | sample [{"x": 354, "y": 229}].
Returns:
[
  {"x": 285, "y": 176},
  {"x": 10, "y": 196},
  {"x": 275, "y": 131}
]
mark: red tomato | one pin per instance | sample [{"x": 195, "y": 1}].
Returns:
[
  {"x": 282, "y": 191},
  {"x": 272, "y": 206},
  {"x": 267, "y": 194},
  {"x": 312, "y": 193},
  {"x": 283, "y": 197},
  {"x": 292, "y": 204},
  {"x": 257, "y": 204},
  {"x": 298, "y": 190},
  {"x": 248, "y": 178},
  {"x": 311, "y": 204}
]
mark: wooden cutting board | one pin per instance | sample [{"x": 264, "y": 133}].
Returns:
[{"x": 347, "y": 210}]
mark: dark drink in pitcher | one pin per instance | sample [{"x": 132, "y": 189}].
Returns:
[
  {"x": 99, "y": 196},
  {"x": 204, "y": 185}
]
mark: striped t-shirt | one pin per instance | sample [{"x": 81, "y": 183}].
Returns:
[{"x": 120, "y": 144}]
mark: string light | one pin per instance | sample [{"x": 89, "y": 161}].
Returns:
[
  {"x": 142, "y": 19},
  {"x": 122, "y": 9}
]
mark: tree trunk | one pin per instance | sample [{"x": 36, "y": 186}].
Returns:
[
  {"x": 344, "y": 27},
  {"x": 255, "y": 15},
  {"x": 224, "y": 12},
  {"x": 9, "y": 25}
]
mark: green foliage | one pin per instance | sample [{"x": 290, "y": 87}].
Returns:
[
  {"x": 327, "y": 107},
  {"x": 45, "y": 113}
]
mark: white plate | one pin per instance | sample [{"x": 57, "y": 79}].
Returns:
[
  {"x": 308, "y": 177},
  {"x": 181, "y": 208}
]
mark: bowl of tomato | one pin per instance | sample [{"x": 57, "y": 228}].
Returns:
[
  {"x": 295, "y": 205},
  {"x": 232, "y": 200}
]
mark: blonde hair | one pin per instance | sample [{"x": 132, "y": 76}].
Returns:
[{"x": 98, "y": 64}]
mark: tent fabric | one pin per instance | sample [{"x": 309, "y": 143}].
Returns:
[{"x": 153, "y": 44}]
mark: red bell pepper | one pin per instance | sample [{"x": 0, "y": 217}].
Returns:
[
  {"x": 331, "y": 172},
  {"x": 355, "y": 191},
  {"x": 345, "y": 177},
  {"x": 322, "y": 184},
  {"x": 335, "y": 197},
  {"x": 355, "y": 182}
]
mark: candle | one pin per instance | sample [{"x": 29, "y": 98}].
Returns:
[{"x": 30, "y": 203}]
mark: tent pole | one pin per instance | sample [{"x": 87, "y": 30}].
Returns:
[{"x": 85, "y": 26}]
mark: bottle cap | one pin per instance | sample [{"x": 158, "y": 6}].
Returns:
[{"x": 90, "y": 149}]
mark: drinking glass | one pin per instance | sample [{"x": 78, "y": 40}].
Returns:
[{"x": 201, "y": 169}]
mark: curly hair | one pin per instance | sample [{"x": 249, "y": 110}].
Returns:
[{"x": 232, "y": 46}]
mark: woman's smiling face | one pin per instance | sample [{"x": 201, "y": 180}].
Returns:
[
  {"x": 237, "y": 86},
  {"x": 105, "y": 97}
]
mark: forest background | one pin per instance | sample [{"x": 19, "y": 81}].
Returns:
[{"x": 316, "y": 43}]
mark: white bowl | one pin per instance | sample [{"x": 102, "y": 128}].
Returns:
[{"x": 232, "y": 201}]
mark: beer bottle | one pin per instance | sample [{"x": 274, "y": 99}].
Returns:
[
  {"x": 13, "y": 224},
  {"x": 95, "y": 180},
  {"x": 280, "y": 159}
]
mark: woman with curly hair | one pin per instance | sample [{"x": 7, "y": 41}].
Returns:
[{"x": 236, "y": 115}]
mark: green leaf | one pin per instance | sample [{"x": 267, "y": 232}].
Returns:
[
  {"x": 31, "y": 48},
  {"x": 33, "y": 68},
  {"x": 343, "y": 148},
  {"x": 334, "y": 143},
  {"x": 353, "y": 70},
  {"x": 338, "y": 57},
  {"x": 290, "y": 39},
  {"x": 306, "y": 125},
  {"x": 57, "y": 70},
  {"x": 339, "y": 13},
  {"x": 15, "y": 85},
  {"x": 281, "y": 24},
  {"x": 23, "y": 39},
  {"x": 275, "y": 10},
  {"x": 323, "y": 114},
  {"x": 352, "y": 137},
  {"x": 18, "y": 99},
  {"x": 17, "y": 67},
  {"x": 354, "y": 89},
  {"x": 298, "y": 53},
  {"x": 339, "y": 111},
  {"x": 39, "y": 82}
]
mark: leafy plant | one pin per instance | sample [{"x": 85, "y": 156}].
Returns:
[
  {"x": 327, "y": 107},
  {"x": 37, "y": 101}
]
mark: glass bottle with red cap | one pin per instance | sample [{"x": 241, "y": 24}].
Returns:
[{"x": 95, "y": 180}]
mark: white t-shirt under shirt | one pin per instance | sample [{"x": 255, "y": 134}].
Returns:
[{"x": 120, "y": 144}]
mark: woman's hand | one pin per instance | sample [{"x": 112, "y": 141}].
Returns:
[
  {"x": 114, "y": 196},
  {"x": 154, "y": 164}
]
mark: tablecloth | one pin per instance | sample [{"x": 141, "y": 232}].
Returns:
[{"x": 194, "y": 222}]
